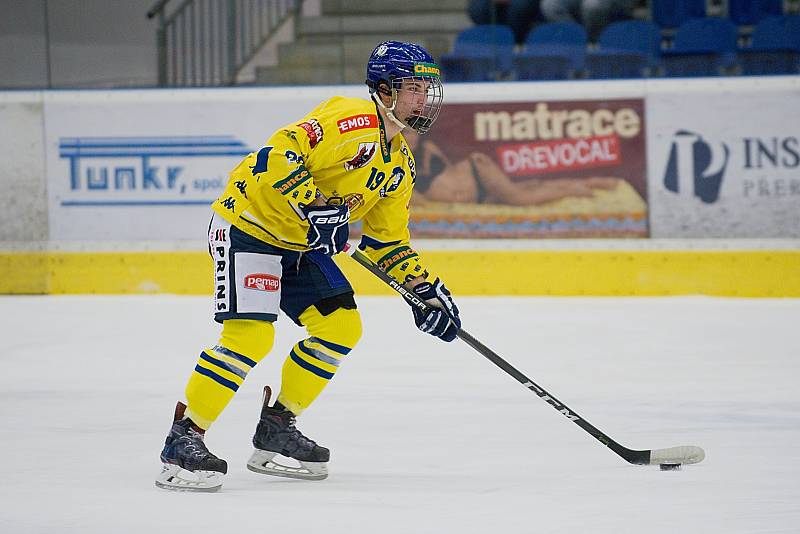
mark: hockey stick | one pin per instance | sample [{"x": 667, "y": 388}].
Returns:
[{"x": 673, "y": 455}]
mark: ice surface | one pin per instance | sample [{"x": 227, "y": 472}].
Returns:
[{"x": 426, "y": 437}]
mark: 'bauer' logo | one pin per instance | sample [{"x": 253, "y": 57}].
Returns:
[
  {"x": 695, "y": 167},
  {"x": 262, "y": 282}
]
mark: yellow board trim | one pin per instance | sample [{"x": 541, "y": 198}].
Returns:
[{"x": 750, "y": 273}]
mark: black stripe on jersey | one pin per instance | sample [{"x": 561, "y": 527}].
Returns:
[
  {"x": 371, "y": 242},
  {"x": 273, "y": 236},
  {"x": 385, "y": 143}
]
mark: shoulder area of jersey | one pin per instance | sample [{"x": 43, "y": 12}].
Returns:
[{"x": 352, "y": 114}]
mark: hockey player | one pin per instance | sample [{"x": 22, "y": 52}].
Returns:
[{"x": 274, "y": 230}]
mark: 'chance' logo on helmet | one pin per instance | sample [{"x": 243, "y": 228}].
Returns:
[{"x": 426, "y": 69}]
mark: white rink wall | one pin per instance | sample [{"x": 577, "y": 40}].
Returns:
[
  {"x": 23, "y": 172},
  {"x": 723, "y": 156}
]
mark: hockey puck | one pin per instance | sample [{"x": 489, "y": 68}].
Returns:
[{"x": 669, "y": 467}]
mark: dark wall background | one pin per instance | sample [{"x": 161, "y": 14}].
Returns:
[{"x": 76, "y": 43}]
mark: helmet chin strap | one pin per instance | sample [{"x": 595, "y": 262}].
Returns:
[{"x": 389, "y": 111}]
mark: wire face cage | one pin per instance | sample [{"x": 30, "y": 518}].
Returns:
[{"x": 428, "y": 87}]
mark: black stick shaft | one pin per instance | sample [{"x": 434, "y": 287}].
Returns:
[{"x": 632, "y": 456}]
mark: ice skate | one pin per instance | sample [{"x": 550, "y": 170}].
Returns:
[
  {"x": 276, "y": 435},
  {"x": 188, "y": 466}
]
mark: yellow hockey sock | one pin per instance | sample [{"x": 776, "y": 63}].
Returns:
[
  {"x": 221, "y": 369},
  {"x": 313, "y": 361}
]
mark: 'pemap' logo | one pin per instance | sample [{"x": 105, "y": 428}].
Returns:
[{"x": 695, "y": 166}]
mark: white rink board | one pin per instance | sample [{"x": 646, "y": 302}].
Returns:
[
  {"x": 724, "y": 163},
  {"x": 23, "y": 216},
  {"x": 146, "y": 164},
  {"x": 142, "y": 191}
]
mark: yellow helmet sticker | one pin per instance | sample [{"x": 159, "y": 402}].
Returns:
[{"x": 426, "y": 69}]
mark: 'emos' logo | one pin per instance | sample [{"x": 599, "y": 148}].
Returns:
[
  {"x": 262, "y": 282},
  {"x": 357, "y": 122}
]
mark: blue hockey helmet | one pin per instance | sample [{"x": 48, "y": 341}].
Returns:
[{"x": 392, "y": 62}]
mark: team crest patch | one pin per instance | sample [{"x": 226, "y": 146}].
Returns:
[
  {"x": 262, "y": 282},
  {"x": 366, "y": 151},
  {"x": 313, "y": 130},
  {"x": 354, "y": 201},
  {"x": 357, "y": 122}
]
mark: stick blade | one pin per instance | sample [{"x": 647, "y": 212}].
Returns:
[{"x": 687, "y": 454}]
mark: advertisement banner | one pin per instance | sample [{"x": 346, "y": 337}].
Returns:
[
  {"x": 146, "y": 165},
  {"x": 533, "y": 169},
  {"x": 724, "y": 164}
]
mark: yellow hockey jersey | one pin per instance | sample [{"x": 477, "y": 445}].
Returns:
[{"x": 339, "y": 150}]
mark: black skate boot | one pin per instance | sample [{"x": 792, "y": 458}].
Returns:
[
  {"x": 276, "y": 434},
  {"x": 188, "y": 466}
]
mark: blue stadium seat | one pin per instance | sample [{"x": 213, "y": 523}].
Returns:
[
  {"x": 749, "y": 12},
  {"x": 775, "y": 47},
  {"x": 626, "y": 49},
  {"x": 480, "y": 53},
  {"x": 702, "y": 47},
  {"x": 553, "y": 51},
  {"x": 673, "y": 13}
]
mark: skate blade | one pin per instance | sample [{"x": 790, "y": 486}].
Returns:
[
  {"x": 175, "y": 478},
  {"x": 263, "y": 462}
]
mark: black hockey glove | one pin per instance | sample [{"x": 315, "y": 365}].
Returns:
[
  {"x": 442, "y": 318},
  {"x": 329, "y": 230}
]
